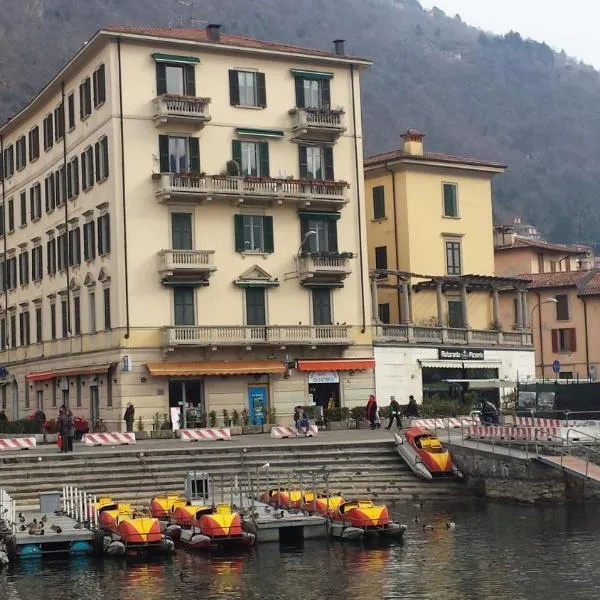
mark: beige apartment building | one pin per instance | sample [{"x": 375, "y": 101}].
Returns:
[{"x": 183, "y": 222}]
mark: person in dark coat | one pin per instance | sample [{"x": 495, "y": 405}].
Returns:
[
  {"x": 63, "y": 429},
  {"x": 394, "y": 411},
  {"x": 129, "y": 417},
  {"x": 70, "y": 431},
  {"x": 412, "y": 408},
  {"x": 372, "y": 411}
]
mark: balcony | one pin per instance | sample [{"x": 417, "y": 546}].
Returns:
[
  {"x": 446, "y": 335},
  {"x": 273, "y": 335},
  {"x": 198, "y": 188},
  {"x": 186, "y": 266},
  {"x": 317, "y": 124},
  {"x": 170, "y": 108},
  {"x": 324, "y": 267}
]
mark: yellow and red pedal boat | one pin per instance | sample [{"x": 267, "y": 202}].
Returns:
[
  {"x": 357, "y": 519},
  {"x": 161, "y": 507},
  {"x": 321, "y": 503}
]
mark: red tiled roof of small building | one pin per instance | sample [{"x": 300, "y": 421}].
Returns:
[
  {"x": 431, "y": 156},
  {"x": 529, "y": 243}
]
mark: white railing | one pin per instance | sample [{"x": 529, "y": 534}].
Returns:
[
  {"x": 184, "y": 106},
  {"x": 428, "y": 334},
  {"x": 272, "y": 334},
  {"x": 8, "y": 512},
  {"x": 391, "y": 332},
  {"x": 191, "y": 260},
  {"x": 319, "y": 118},
  {"x": 80, "y": 506},
  {"x": 223, "y": 185},
  {"x": 333, "y": 264}
]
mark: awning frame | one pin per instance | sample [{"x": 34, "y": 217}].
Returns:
[
  {"x": 175, "y": 58},
  {"x": 335, "y": 364},
  {"x": 101, "y": 369}
]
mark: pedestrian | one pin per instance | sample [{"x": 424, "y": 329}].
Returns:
[
  {"x": 412, "y": 408},
  {"x": 129, "y": 417},
  {"x": 301, "y": 420},
  {"x": 372, "y": 411},
  {"x": 70, "y": 430},
  {"x": 40, "y": 419},
  {"x": 394, "y": 411},
  {"x": 489, "y": 413},
  {"x": 63, "y": 428},
  {"x": 3, "y": 420}
]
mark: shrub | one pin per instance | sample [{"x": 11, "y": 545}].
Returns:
[
  {"x": 438, "y": 406},
  {"x": 310, "y": 411},
  {"x": 212, "y": 418},
  {"x": 225, "y": 417},
  {"x": 339, "y": 413},
  {"x": 166, "y": 426},
  {"x": 358, "y": 413},
  {"x": 235, "y": 417},
  {"x": 245, "y": 417},
  {"x": 272, "y": 416},
  {"x": 140, "y": 425}
]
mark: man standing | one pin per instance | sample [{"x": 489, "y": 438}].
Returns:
[
  {"x": 63, "y": 429},
  {"x": 394, "y": 411},
  {"x": 129, "y": 417}
]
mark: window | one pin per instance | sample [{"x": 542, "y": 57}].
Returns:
[
  {"x": 71, "y": 110},
  {"x": 316, "y": 162},
  {"x": 87, "y": 168},
  {"x": 181, "y": 231},
  {"x": 24, "y": 328},
  {"x": 107, "y": 321},
  {"x": 312, "y": 93},
  {"x": 40, "y": 400},
  {"x": 50, "y": 193},
  {"x": 59, "y": 122},
  {"x": 76, "y": 315},
  {"x": 565, "y": 375},
  {"x": 253, "y": 233},
  {"x": 13, "y": 330},
  {"x": 64, "y": 317},
  {"x": 34, "y": 144},
  {"x": 37, "y": 268},
  {"x": 53, "y": 321},
  {"x": 379, "y": 202},
  {"x": 381, "y": 257},
  {"x": 89, "y": 240},
  {"x": 85, "y": 99},
  {"x": 3, "y": 337},
  {"x": 450, "y": 200},
  {"x": 103, "y": 235},
  {"x": 384, "y": 312},
  {"x": 51, "y": 256},
  {"x": 20, "y": 147},
  {"x": 48, "y": 132},
  {"x": 59, "y": 186},
  {"x": 11, "y": 273},
  {"x": 92, "y": 308},
  {"x": 453, "y": 258},
  {"x": 35, "y": 202},
  {"x": 247, "y": 88},
  {"x": 179, "y": 80},
  {"x": 61, "y": 251},
  {"x": 183, "y": 302},
  {"x": 564, "y": 340},
  {"x": 326, "y": 230},
  {"x": 78, "y": 391},
  {"x": 23, "y": 203},
  {"x": 74, "y": 247},
  {"x": 99, "y": 77},
  {"x": 179, "y": 154},
  {"x": 38, "y": 324},
  {"x": 252, "y": 158},
  {"x": 541, "y": 263},
  {"x": 9, "y": 161},
  {"x": 255, "y": 307},
  {"x": 11, "y": 215},
  {"x": 101, "y": 152},
  {"x": 73, "y": 178},
  {"x": 24, "y": 268},
  {"x": 562, "y": 308},
  {"x": 321, "y": 301},
  {"x": 455, "y": 313}
]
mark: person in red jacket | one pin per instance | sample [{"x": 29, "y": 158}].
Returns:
[{"x": 372, "y": 412}]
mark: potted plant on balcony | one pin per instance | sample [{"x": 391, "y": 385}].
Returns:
[{"x": 232, "y": 168}]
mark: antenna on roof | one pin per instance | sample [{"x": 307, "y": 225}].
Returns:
[{"x": 181, "y": 20}]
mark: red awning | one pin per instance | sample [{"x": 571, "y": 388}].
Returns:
[
  {"x": 341, "y": 364},
  {"x": 46, "y": 375},
  {"x": 215, "y": 367}
]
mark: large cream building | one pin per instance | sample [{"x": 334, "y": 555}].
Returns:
[{"x": 183, "y": 220}]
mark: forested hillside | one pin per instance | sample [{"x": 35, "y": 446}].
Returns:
[{"x": 498, "y": 98}]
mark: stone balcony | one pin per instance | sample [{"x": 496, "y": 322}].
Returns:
[
  {"x": 271, "y": 335},
  {"x": 324, "y": 267},
  {"x": 447, "y": 335},
  {"x": 170, "y": 108},
  {"x": 248, "y": 190},
  {"x": 317, "y": 124},
  {"x": 186, "y": 266}
]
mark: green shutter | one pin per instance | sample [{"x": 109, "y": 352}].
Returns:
[
  {"x": 332, "y": 236},
  {"x": 97, "y": 160},
  {"x": 325, "y": 93},
  {"x": 303, "y": 162},
  {"x": 236, "y": 154},
  {"x": 105, "y": 156},
  {"x": 263, "y": 150},
  {"x": 450, "y": 206},
  {"x": 268, "y": 234},
  {"x": 261, "y": 89},
  {"x": 328, "y": 156},
  {"x": 238, "y": 221},
  {"x": 300, "y": 103},
  {"x": 190, "y": 80},
  {"x": 163, "y": 150},
  {"x": 194, "y": 154},
  {"x": 234, "y": 89},
  {"x": 76, "y": 174}
]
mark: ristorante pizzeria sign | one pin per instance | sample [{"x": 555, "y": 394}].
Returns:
[{"x": 460, "y": 354}]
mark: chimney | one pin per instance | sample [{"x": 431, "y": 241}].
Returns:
[
  {"x": 213, "y": 31},
  {"x": 413, "y": 142},
  {"x": 338, "y": 46},
  {"x": 504, "y": 235}
]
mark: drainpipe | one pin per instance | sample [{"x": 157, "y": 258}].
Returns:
[
  {"x": 6, "y": 323},
  {"x": 123, "y": 190},
  {"x": 587, "y": 344},
  {"x": 391, "y": 172},
  {"x": 66, "y": 203},
  {"x": 539, "y": 298}
]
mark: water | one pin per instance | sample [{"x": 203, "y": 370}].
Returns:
[{"x": 495, "y": 552}]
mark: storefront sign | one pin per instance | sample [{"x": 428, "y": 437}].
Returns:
[
  {"x": 323, "y": 377},
  {"x": 461, "y": 354}
]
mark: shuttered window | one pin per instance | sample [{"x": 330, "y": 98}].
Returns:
[
  {"x": 564, "y": 340},
  {"x": 181, "y": 231},
  {"x": 253, "y": 233},
  {"x": 183, "y": 302},
  {"x": 176, "y": 79},
  {"x": 99, "y": 77},
  {"x": 450, "y": 200},
  {"x": 252, "y": 158},
  {"x": 379, "y": 202},
  {"x": 562, "y": 307},
  {"x": 381, "y": 257},
  {"x": 34, "y": 143},
  {"x": 316, "y": 162},
  {"x": 247, "y": 88},
  {"x": 255, "y": 306},
  {"x": 179, "y": 154},
  {"x": 321, "y": 305},
  {"x": 85, "y": 99},
  {"x": 312, "y": 93}
]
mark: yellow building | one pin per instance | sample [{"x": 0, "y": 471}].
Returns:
[
  {"x": 182, "y": 224},
  {"x": 431, "y": 252}
]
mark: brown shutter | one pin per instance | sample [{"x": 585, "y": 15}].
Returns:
[
  {"x": 555, "y": 340},
  {"x": 573, "y": 332}
]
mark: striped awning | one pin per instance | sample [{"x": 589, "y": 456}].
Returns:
[
  {"x": 460, "y": 364},
  {"x": 336, "y": 364},
  {"x": 215, "y": 367},
  {"x": 55, "y": 373}
]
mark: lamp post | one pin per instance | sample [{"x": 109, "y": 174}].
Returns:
[
  {"x": 308, "y": 234},
  {"x": 538, "y": 305}
]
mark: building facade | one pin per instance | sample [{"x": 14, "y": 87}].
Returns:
[
  {"x": 183, "y": 216},
  {"x": 435, "y": 294}
]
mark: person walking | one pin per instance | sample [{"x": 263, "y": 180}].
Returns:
[
  {"x": 70, "y": 430},
  {"x": 394, "y": 411},
  {"x": 129, "y": 417},
  {"x": 372, "y": 411},
  {"x": 63, "y": 429},
  {"x": 412, "y": 409}
]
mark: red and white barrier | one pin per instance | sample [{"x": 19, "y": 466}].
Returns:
[
  {"x": 108, "y": 439},
  {"x": 446, "y": 422},
  {"x": 205, "y": 435},
  {"x": 279, "y": 432},
  {"x": 501, "y": 432},
  {"x": 538, "y": 422},
  {"x": 17, "y": 443}
]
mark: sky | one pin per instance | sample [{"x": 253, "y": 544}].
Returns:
[{"x": 570, "y": 25}]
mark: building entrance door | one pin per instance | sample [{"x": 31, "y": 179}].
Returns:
[
  {"x": 258, "y": 399},
  {"x": 324, "y": 386}
]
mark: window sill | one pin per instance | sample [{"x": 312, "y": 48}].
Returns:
[
  {"x": 255, "y": 253},
  {"x": 452, "y": 217},
  {"x": 35, "y": 219},
  {"x": 19, "y": 169},
  {"x": 22, "y": 225},
  {"x": 10, "y": 230},
  {"x": 48, "y": 148},
  {"x": 379, "y": 220},
  {"x": 251, "y": 106},
  {"x": 99, "y": 105},
  {"x": 84, "y": 118},
  {"x": 101, "y": 181},
  {"x": 34, "y": 159}
]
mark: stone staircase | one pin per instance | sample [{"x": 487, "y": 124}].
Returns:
[{"x": 136, "y": 474}]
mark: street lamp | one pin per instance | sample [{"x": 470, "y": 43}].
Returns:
[
  {"x": 549, "y": 301},
  {"x": 308, "y": 234}
]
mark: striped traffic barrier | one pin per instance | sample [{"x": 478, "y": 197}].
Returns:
[
  {"x": 502, "y": 432},
  {"x": 209, "y": 434},
  {"x": 445, "y": 422},
  {"x": 108, "y": 439},
  {"x": 538, "y": 422},
  {"x": 279, "y": 432},
  {"x": 17, "y": 443}
]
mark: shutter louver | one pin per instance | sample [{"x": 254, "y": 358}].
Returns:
[
  {"x": 555, "y": 340},
  {"x": 194, "y": 155},
  {"x": 163, "y": 148},
  {"x": 190, "y": 80},
  {"x": 97, "y": 161},
  {"x": 325, "y": 93},
  {"x": 328, "y": 156},
  {"x": 234, "y": 88},
  {"x": 300, "y": 103},
  {"x": 161, "y": 79},
  {"x": 264, "y": 159},
  {"x": 239, "y": 232},
  {"x": 303, "y": 162},
  {"x": 268, "y": 234},
  {"x": 236, "y": 153},
  {"x": 332, "y": 236},
  {"x": 261, "y": 90}
]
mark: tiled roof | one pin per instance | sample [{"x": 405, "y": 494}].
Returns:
[
  {"x": 194, "y": 34},
  {"x": 586, "y": 282},
  {"x": 529, "y": 243},
  {"x": 430, "y": 156}
]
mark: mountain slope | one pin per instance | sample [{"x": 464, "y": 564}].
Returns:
[{"x": 498, "y": 98}]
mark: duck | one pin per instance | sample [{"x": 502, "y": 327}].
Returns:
[
  {"x": 450, "y": 525},
  {"x": 56, "y": 528},
  {"x": 21, "y": 518},
  {"x": 44, "y": 519}
]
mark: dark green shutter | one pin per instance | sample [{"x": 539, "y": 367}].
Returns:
[
  {"x": 303, "y": 162},
  {"x": 194, "y": 154},
  {"x": 163, "y": 150},
  {"x": 76, "y": 178},
  {"x": 261, "y": 89},
  {"x": 105, "y": 156},
  {"x": 268, "y": 234},
  {"x": 255, "y": 307},
  {"x": 239, "y": 233},
  {"x": 328, "y": 156},
  {"x": 190, "y": 80},
  {"x": 332, "y": 236},
  {"x": 101, "y": 84},
  {"x": 236, "y": 154},
  {"x": 325, "y": 93},
  {"x": 161, "y": 79},
  {"x": 97, "y": 158},
  {"x": 263, "y": 150},
  {"x": 300, "y": 92},
  {"x": 234, "y": 89}
]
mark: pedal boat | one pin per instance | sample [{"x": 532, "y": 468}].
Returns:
[
  {"x": 161, "y": 507},
  {"x": 320, "y": 503},
  {"x": 359, "y": 519}
]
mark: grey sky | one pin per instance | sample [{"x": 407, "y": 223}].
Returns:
[{"x": 571, "y": 25}]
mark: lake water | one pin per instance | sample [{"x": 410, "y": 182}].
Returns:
[{"x": 495, "y": 552}]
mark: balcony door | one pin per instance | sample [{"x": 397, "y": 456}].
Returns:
[
  {"x": 256, "y": 307},
  {"x": 455, "y": 313},
  {"x": 181, "y": 231},
  {"x": 321, "y": 301}
]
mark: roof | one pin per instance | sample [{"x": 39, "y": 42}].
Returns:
[
  {"x": 521, "y": 242},
  {"x": 197, "y": 34},
  {"x": 431, "y": 157},
  {"x": 587, "y": 283}
]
